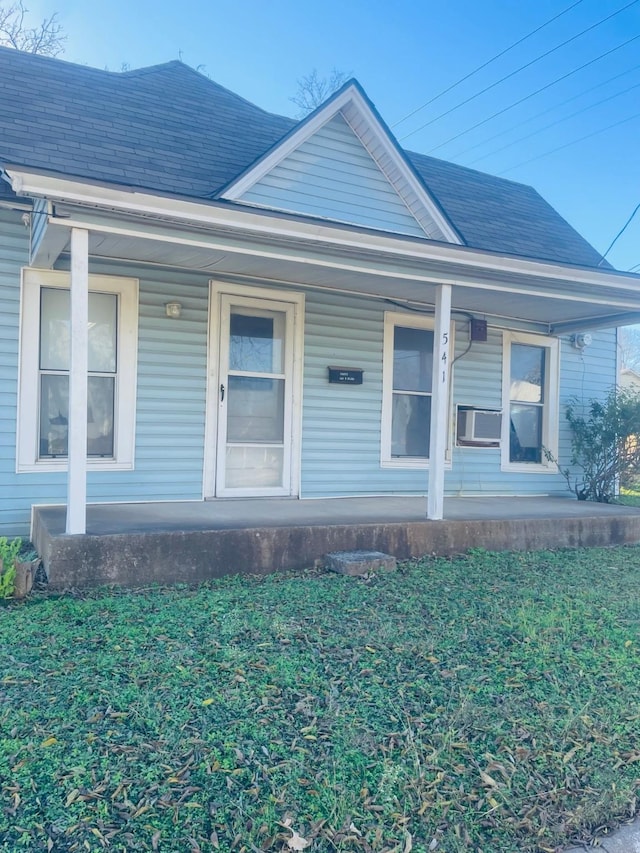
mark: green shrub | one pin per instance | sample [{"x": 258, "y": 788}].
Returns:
[
  {"x": 605, "y": 445},
  {"x": 9, "y": 551}
]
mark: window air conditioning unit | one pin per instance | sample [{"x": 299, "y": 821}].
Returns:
[{"x": 479, "y": 427}]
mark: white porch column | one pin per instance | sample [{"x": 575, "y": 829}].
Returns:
[
  {"x": 78, "y": 369},
  {"x": 439, "y": 402}
]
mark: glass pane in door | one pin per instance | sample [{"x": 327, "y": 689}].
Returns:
[
  {"x": 255, "y": 399},
  {"x": 255, "y": 410},
  {"x": 253, "y": 467},
  {"x": 256, "y": 341}
]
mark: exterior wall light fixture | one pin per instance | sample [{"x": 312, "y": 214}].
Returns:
[
  {"x": 581, "y": 340},
  {"x": 173, "y": 309}
]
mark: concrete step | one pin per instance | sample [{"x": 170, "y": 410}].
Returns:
[{"x": 359, "y": 563}]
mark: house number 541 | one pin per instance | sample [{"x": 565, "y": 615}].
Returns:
[{"x": 445, "y": 356}]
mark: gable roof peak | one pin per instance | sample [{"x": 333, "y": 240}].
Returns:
[
  {"x": 174, "y": 130},
  {"x": 353, "y": 105},
  {"x": 351, "y": 89}
]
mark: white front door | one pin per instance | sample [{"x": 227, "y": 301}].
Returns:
[{"x": 257, "y": 398}]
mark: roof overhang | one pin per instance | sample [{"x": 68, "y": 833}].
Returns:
[{"x": 223, "y": 239}]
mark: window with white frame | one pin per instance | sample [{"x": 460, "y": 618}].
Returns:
[
  {"x": 407, "y": 379},
  {"x": 530, "y": 390},
  {"x": 43, "y": 419}
]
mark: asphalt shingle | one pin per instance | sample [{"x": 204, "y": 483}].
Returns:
[{"x": 169, "y": 129}]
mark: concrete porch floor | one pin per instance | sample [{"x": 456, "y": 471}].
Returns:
[{"x": 140, "y": 543}]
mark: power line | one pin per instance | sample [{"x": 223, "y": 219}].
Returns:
[
  {"x": 568, "y": 144},
  {"x": 554, "y": 123},
  {"x": 533, "y": 94},
  {"x": 488, "y": 62},
  {"x": 620, "y": 233},
  {"x": 533, "y": 117},
  {"x": 518, "y": 70}
]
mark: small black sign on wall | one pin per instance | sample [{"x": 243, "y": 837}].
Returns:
[{"x": 346, "y": 375}]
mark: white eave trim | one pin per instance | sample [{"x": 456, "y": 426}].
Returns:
[
  {"x": 352, "y": 99},
  {"x": 249, "y": 222}
]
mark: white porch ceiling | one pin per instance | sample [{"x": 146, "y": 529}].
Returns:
[{"x": 546, "y": 299}]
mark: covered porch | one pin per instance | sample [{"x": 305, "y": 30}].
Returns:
[
  {"x": 193, "y": 541},
  {"x": 81, "y": 227}
]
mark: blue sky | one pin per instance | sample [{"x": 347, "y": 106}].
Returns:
[{"x": 406, "y": 52}]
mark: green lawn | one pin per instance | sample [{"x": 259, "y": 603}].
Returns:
[
  {"x": 490, "y": 703},
  {"x": 629, "y": 498}
]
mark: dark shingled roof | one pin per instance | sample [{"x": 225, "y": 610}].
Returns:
[{"x": 169, "y": 129}]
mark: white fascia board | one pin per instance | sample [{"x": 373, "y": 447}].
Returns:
[
  {"x": 353, "y": 98},
  {"x": 15, "y": 205},
  {"x": 606, "y": 321},
  {"x": 406, "y": 171},
  {"x": 248, "y": 222},
  {"x": 346, "y": 263},
  {"x": 10, "y": 204}
]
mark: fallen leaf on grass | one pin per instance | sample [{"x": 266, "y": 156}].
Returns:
[
  {"x": 566, "y": 758},
  {"x": 71, "y": 797},
  {"x": 488, "y": 780},
  {"x": 297, "y": 842},
  {"x": 49, "y": 741}
]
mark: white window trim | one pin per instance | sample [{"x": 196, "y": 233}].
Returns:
[
  {"x": 413, "y": 321},
  {"x": 550, "y": 410},
  {"x": 126, "y": 289}
]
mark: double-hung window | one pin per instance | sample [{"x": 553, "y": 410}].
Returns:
[
  {"x": 407, "y": 379},
  {"x": 530, "y": 390},
  {"x": 43, "y": 425}
]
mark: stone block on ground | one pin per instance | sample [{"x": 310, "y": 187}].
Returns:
[{"x": 359, "y": 563}]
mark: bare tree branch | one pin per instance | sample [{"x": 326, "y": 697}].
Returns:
[
  {"x": 629, "y": 346},
  {"x": 313, "y": 90},
  {"x": 46, "y": 39}
]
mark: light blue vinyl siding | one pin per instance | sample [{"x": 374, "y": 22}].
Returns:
[
  {"x": 341, "y": 423},
  {"x": 332, "y": 175},
  {"x": 171, "y": 388},
  {"x": 14, "y": 253},
  {"x": 586, "y": 375},
  {"x": 341, "y": 427},
  {"x": 478, "y": 382}
]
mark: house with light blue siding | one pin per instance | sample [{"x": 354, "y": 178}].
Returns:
[{"x": 200, "y": 300}]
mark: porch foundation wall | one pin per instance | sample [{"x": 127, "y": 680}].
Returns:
[{"x": 139, "y": 559}]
